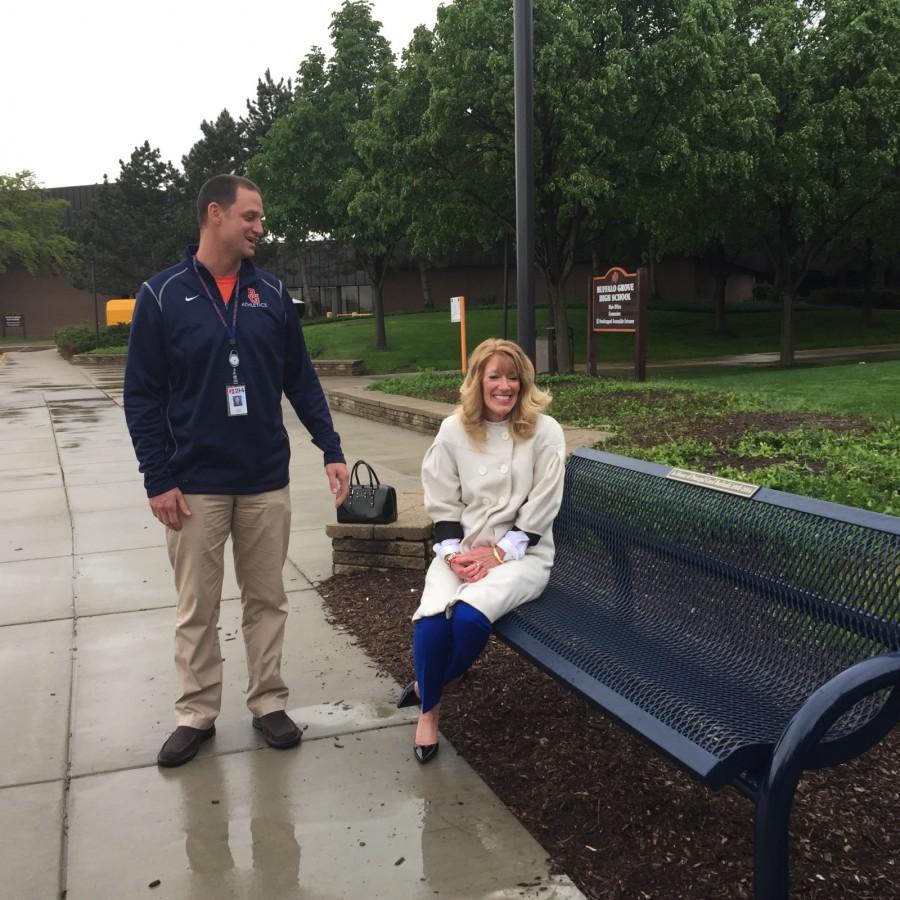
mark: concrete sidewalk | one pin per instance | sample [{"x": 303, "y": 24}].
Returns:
[{"x": 86, "y": 624}]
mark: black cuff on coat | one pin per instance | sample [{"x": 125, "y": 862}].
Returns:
[
  {"x": 532, "y": 538},
  {"x": 447, "y": 531}
]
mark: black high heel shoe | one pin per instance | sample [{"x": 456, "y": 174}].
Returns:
[
  {"x": 409, "y": 697},
  {"x": 425, "y": 752}
]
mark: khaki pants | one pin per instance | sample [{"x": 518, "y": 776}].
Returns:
[{"x": 259, "y": 525}]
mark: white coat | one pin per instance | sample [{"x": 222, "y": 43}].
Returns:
[{"x": 489, "y": 490}]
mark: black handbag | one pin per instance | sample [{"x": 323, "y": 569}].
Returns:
[{"x": 368, "y": 504}]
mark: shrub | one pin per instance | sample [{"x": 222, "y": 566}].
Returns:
[
  {"x": 115, "y": 335},
  {"x": 74, "y": 339}
]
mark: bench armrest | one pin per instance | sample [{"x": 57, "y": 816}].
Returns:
[{"x": 800, "y": 747}]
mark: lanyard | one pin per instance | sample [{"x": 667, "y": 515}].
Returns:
[{"x": 231, "y": 329}]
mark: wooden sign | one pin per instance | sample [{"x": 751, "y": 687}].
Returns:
[
  {"x": 13, "y": 320},
  {"x": 615, "y": 301},
  {"x": 618, "y": 303}
]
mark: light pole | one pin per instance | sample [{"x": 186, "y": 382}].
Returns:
[
  {"x": 96, "y": 309},
  {"x": 523, "y": 49}
]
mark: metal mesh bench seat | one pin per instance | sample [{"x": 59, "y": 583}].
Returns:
[{"x": 705, "y": 622}]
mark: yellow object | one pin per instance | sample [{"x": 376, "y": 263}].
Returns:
[{"x": 119, "y": 311}]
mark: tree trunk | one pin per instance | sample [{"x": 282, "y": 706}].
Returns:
[
  {"x": 651, "y": 267},
  {"x": 304, "y": 280},
  {"x": 376, "y": 267},
  {"x": 867, "y": 286},
  {"x": 787, "y": 330},
  {"x": 564, "y": 361},
  {"x": 380, "y": 333},
  {"x": 720, "y": 276},
  {"x": 784, "y": 296},
  {"x": 426, "y": 287}
]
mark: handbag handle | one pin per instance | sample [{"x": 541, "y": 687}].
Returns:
[{"x": 373, "y": 478}]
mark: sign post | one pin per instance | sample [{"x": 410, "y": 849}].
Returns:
[
  {"x": 619, "y": 304},
  {"x": 14, "y": 320},
  {"x": 458, "y": 315}
]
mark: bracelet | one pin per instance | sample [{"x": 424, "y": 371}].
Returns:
[
  {"x": 496, "y": 551},
  {"x": 451, "y": 556}
]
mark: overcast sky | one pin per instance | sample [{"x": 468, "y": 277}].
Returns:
[{"x": 84, "y": 83}]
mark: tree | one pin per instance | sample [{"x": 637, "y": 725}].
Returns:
[
  {"x": 594, "y": 64},
  {"x": 699, "y": 163},
  {"x": 221, "y": 150},
  {"x": 32, "y": 226},
  {"x": 226, "y": 145},
  {"x": 463, "y": 150},
  {"x": 135, "y": 227},
  {"x": 831, "y": 138},
  {"x": 273, "y": 100},
  {"x": 308, "y": 168}
]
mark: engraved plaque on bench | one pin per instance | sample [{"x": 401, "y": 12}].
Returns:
[{"x": 714, "y": 482}]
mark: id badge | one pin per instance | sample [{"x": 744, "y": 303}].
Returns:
[{"x": 236, "y": 395}]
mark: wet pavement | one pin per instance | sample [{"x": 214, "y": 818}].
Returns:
[{"x": 86, "y": 626}]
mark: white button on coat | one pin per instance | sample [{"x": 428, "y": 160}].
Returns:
[{"x": 482, "y": 470}]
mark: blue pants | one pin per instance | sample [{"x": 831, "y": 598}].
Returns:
[{"x": 443, "y": 649}]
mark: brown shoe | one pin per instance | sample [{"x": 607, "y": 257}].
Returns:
[
  {"x": 182, "y": 745},
  {"x": 278, "y": 729}
]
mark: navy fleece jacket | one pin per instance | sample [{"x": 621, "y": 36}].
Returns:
[{"x": 177, "y": 372}]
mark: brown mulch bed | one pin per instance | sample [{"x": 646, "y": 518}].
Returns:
[
  {"x": 729, "y": 428},
  {"x": 617, "y": 819}
]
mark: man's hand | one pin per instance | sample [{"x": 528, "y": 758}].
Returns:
[
  {"x": 338, "y": 481},
  {"x": 167, "y": 507}
]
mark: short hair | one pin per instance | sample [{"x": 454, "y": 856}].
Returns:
[
  {"x": 221, "y": 189},
  {"x": 531, "y": 402}
]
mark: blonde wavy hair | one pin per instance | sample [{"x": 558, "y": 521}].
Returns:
[{"x": 530, "y": 403}]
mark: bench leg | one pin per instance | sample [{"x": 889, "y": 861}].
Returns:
[{"x": 771, "y": 850}]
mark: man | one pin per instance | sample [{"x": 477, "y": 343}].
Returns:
[{"x": 214, "y": 344}]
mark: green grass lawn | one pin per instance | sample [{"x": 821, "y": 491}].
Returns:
[
  {"x": 826, "y": 432},
  {"x": 866, "y": 389},
  {"x": 117, "y": 350},
  {"x": 7, "y": 341},
  {"x": 429, "y": 340}
]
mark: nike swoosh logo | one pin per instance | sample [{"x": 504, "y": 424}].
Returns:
[{"x": 188, "y": 299}]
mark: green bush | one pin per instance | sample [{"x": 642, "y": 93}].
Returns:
[
  {"x": 74, "y": 339},
  {"x": 115, "y": 335}
]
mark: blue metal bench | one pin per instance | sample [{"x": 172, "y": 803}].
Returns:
[{"x": 746, "y": 638}]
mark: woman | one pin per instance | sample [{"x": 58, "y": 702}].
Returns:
[{"x": 493, "y": 481}]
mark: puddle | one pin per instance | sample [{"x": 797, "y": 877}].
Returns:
[{"x": 85, "y": 412}]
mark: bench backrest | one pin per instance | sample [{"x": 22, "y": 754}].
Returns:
[{"x": 833, "y": 563}]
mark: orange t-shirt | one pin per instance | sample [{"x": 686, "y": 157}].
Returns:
[{"x": 226, "y": 286}]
